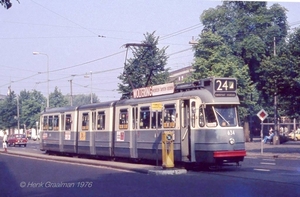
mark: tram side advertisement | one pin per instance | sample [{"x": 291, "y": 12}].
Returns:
[{"x": 225, "y": 87}]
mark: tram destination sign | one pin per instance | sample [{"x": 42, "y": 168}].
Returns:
[
  {"x": 225, "y": 87},
  {"x": 154, "y": 90}
]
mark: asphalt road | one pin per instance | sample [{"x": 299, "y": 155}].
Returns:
[{"x": 22, "y": 176}]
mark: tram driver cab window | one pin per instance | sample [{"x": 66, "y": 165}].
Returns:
[
  {"x": 45, "y": 123},
  {"x": 211, "y": 120}
]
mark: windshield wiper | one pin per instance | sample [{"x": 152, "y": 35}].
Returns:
[{"x": 222, "y": 117}]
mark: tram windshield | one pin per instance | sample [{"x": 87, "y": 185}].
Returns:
[
  {"x": 223, "y": 115},
  {"x": 226, "y": 115}
]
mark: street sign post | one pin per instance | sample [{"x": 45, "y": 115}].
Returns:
[{"x": 262, "y": 115}]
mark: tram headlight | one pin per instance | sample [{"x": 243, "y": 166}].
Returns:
[{"x": 231, "y": 141}]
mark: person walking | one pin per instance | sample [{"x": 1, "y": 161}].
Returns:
[{"x": 5, "y": 141}]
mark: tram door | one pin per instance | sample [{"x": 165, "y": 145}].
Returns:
[{"x": 185, "y": 131}]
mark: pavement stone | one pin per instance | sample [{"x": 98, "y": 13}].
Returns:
[{"x": 289, "y": 149}]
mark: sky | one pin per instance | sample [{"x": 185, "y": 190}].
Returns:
[{"x": 81, "y": 43}]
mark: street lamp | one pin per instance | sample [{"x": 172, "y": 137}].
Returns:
[{"x": 39, "y": 53}]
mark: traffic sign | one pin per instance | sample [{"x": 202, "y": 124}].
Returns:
[{"x": 262, "y": 115}]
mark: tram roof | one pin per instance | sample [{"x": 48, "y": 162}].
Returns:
[{"x": 203, "y": 94}]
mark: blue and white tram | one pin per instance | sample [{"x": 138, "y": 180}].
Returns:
[{"x": 202, "y": 115}]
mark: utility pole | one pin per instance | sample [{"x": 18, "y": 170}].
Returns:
[
  {"x": 71, "y": 94},
  {"x": 276, "y": 137}
]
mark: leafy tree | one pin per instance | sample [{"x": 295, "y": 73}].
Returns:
[
  {"x": 6, "y": 3},
  {"x": 57, "y": 99},
  {"x": 214, "y": 58},
  {"x": 31, "y": 105},
  {"x": 82, "y": 99},
  {"x": 248, "y": 28},
  {"x": 147, "y": 67},
  {"x": 8, "y": 112}
]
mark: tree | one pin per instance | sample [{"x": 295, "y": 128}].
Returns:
[
  {"x": 8, "y": 112},
  {"x": 147, "y": 67},
  {"x": 57, "y": 99},
  {"x": 214, "y": 58},
  {"x": 6, "y": 3},
  {"x": 82, "y": 99},
  {"x": 248, "y": 28},
  {"x": 31, "y": 105}
]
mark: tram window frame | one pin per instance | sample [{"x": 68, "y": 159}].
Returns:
[
  {"x": 201, "y": 117},
  {"x": 94, "y": 122},
  {"x": 45, "y": 123},
  {"x": 123, "y": 119},
  {"x": 135, "y": 118},
  {"x": 85, "y": 121},
  {"x": 168, "y": 122},
  {"x": 193, "y": 115},
  {"x": 68, "y": 122},
  {"x": 210, "y": 116},
  {"x": 50, "y": 123},
  {"x": 159, "y": 119},
  {"x": 226, "y": 115},
  {"x": 145, "y": 117},
  {"x": 101, "y": 120},
  {"x": 55, "y": 123}
]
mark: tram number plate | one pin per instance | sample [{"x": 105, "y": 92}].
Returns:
[{"x": 230, "y": 132}]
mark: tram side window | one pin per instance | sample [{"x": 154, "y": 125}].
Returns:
[
  {"x": 144, "y": 117},
  {"x": 123, "y": 124},
  {"x": 55, "y": 123},
  {"x": 159, "y": 119},
  {"x": 210, "y": 116},
  {"x": 101, "y": 121},
  {"x": 85, "y": 121},
  {"x": 170, "y": 116},
  {"x": 45, "y": 123},
  {"x": 50, "y": 123},
  {"x": 68, "y": 122}
]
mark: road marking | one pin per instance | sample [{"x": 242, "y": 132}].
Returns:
[
  {"x": 265, "y": 163},
  {"x": 259, "y": 169}
]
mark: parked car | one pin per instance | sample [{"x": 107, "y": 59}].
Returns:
[
  {"x": 295, "y": 135},
  {"x": 17, "y": 139}
]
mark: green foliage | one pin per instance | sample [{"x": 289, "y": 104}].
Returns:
[
  {"x": 82, "y": 99},
  {"x": 31, "y": 105},
  {"x": 214, "y": 58},
  {"x": 57, "y": 99},
  {"x": 147, "y": 67},
  {"x": 8, "y": 112}
]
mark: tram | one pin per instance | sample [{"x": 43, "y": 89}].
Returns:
[{"x": 202, "y": 115}]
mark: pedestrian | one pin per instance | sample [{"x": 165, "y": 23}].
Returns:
[
  {"x": 5, "y": 141},
  {"x": 270, "y": 137}
]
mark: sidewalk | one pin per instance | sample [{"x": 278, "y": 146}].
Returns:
[{"x": 289, "y": 149}]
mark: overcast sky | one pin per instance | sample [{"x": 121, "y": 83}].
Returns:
[{"x": 80, "y": 37}]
